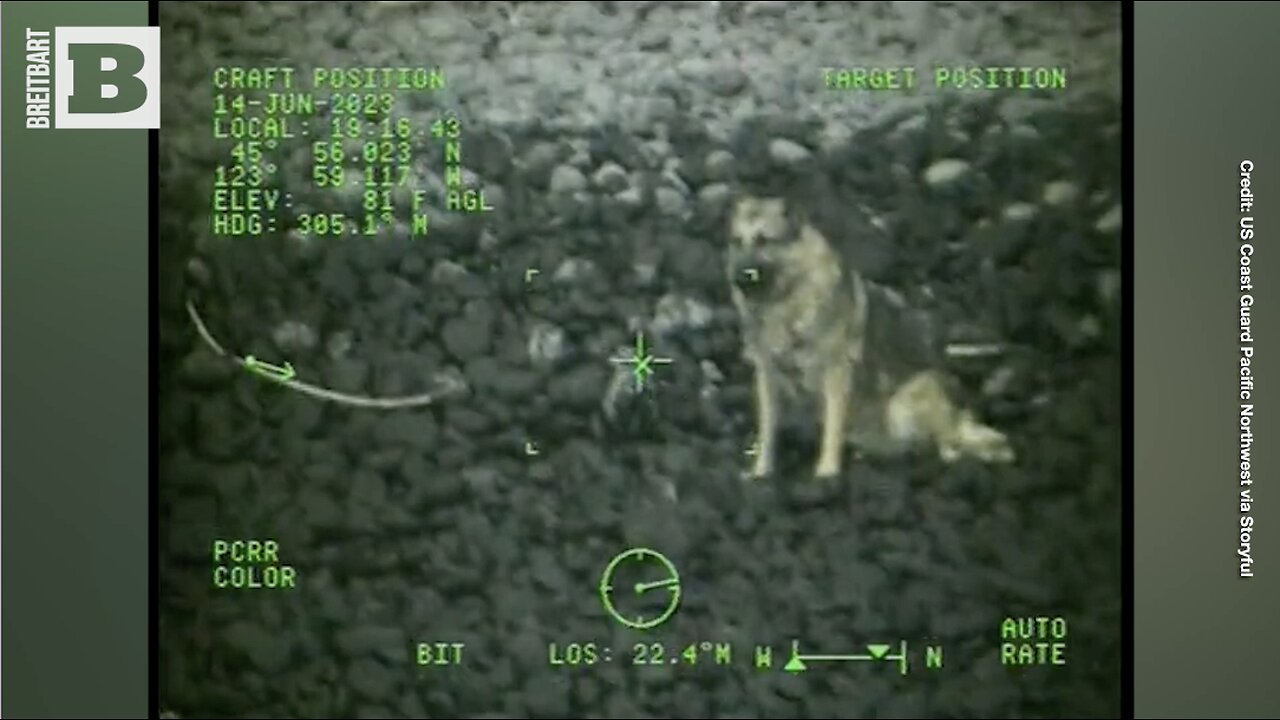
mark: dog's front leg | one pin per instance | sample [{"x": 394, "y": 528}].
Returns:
[
  {"x": 766, "y": 419},
  {"x": 837, "y": 390}
]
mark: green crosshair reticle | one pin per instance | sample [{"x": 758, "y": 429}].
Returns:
[
  {"x": 640, "y": 588},
  {"x": 641, "y": 361}
]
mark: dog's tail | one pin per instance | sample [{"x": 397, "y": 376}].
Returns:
[
  {"x": 925, "y": 409},
  {"x": 970, "y": 437}
]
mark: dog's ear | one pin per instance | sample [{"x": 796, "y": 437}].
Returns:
[
  {"x": 769, "y": 218},
  {"x": 795, "y": 213},
  {"x": 773, "y": 207},
  {"x": 851, "y": 227},
  {"x": 734, "y": 215}
]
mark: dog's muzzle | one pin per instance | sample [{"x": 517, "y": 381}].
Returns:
[{"x": 754, "y": 277}]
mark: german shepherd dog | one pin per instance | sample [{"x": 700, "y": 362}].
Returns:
[{"x": 815, "y": 328}]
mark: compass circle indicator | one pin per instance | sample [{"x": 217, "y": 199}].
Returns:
[{"x": 640, "y": 588}]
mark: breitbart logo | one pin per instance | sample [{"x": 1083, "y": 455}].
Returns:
[{"x": 93, "y": 78}]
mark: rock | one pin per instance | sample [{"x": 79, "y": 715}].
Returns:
[
  {"x": 1110, "y": 221},
  {"x": 368, "y": 488},
  {"x": 305, "y": 415},
  {"x": 447, "y": 271},
  {"x": 1019, "y": 212},
  {"x": 413, "y": 266},
  {"x": 670, "y": 202},
  {"x": 835, "y": 138},
  {"x": 676, "y": 312},
  {"x": 339, "y": 344},
  {"x": 945, "y": 172},
  {"x": 267, "y": 652},
  {"x": 572, "y": 269},
  {"x": 294, "y": 336},
  {"x": 714, "y": 198},
  {"x": 370, "y": 679},
  {"x": 1060, "y": 192},
  {"x": 198, "y": 273},
  {"x": 470, "y": 335},
  {"x": 547, "y": 343},
  {"x": 320, "y": 511},
  {"x": 662, "y": 109},
  {"x": 580, "y": 155},
  {"x": 547, "y": 697},
  {"x": 489, "y": 241},
  {"x": 645, "y": 272},
  {"x": 726, "y": 78},
  {"x": 581, "y": 388},
  {"x": 1088, "y": 329},
  {"x": 694, "y": 261},
  {"x": 482, "y": 480},
  {"x": 611, "y": 178},
  {"x": 410, "y": 429},
  {"x": 767, "y": 10},
  {"x": 540, "y": 161},
  {"x": 490, "y": 150},
  {"x": 573, "y": 207},
  {"x": 566, "y": 180},
  {"x": 632, "y": 198},
  {"x": 657, "y": 153},
  {"x": 788, "y": 152},
  {"x": 1108, "y": 284},
  {"x": 719, "y": 165},
  {"x": 909, "y": 125},
  {"x": 386, "y": 642},
  {"x": 999, "y": 382},
  {"x": 449, "y": 382},
  {"x": 202, "y": 368},
  {"x": 653, "y": 39}
]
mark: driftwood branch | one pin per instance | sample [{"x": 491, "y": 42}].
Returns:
[{"x": 362, "y": 401}]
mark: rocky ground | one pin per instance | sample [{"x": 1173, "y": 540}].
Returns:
[{"x": 608, "y": 138}]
